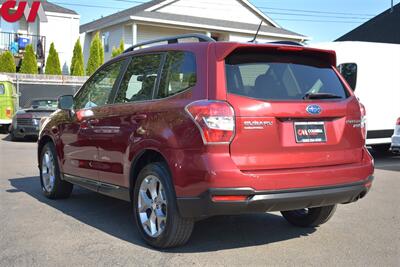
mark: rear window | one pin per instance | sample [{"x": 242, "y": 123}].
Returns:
[
  {"x": 2, "y": 89},
  {"x": 43, "y": 103},
  {"x": 281, "y": 76}
]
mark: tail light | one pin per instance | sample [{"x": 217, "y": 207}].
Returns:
[
  {"x": 363, "y": 121},
  {"x": 8, "y": 113},
  {"x": 398, "y": 121},
  {"x": 215, "y": 120}
]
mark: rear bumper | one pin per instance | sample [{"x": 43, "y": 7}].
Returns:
[{"x": 266, "y": 201}]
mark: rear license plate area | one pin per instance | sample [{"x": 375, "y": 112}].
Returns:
[{"x": 310, "y": 132}]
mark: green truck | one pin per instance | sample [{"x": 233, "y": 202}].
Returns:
[{"x": 8, "y": 102}]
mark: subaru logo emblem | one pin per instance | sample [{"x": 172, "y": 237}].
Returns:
[{"x": 314, "y": 109}]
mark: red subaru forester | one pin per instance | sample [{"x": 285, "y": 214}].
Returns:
[{"x": 188, "y": 130}]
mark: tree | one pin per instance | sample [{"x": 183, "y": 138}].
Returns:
[
  {"x": 95, "y": 58},
  {"x": 101, "y": 51},
  {"x": 7, "y": 63},
  {"x": 53, "y": 66},
  {"x": 77, "y": 60},
  {"x": 29, "y": 62},
  {"x": 119, "y": 50}
]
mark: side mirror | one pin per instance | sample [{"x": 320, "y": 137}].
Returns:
[
  {"x": 66, "y": 102},
  {"x": 349, "y": 72}
]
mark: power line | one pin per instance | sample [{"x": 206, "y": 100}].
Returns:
[
  {"x": 266, "y": 8},
  {"x": 347, "y": 20},
  {"x": 317, "y": 16},
  {"x": 320, "y": 21},
  {"x": 84, "y": 5}
]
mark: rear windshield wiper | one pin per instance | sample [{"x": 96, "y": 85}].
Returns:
[{"x": 321, "y": 96}]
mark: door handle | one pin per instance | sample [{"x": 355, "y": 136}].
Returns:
[{"x": 139, "y": 117}]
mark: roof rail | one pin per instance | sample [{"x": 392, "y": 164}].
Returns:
[
  {"x": 286, "y": 43},
  {"x": 173, "y": 40}
]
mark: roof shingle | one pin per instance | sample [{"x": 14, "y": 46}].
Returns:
[{"x": 383, "y": 28}]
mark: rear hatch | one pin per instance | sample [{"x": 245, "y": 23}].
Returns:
[{"x": 292, "y": 110}]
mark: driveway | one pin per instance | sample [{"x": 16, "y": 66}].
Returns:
[{"x": 94, "y": 230}]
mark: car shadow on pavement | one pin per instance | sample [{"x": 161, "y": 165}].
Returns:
[
  {"x": 114, "y": 217},
  {"x": 7, "y": 138}
]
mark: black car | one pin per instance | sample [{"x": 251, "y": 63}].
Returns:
[{"x": 26, "y": 122}]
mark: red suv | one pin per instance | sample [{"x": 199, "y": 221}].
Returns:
[{"x": 189, "y": 130}]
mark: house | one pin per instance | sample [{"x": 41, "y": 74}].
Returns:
[
  {"x": 384, "y": 28},
  {"x": 53, "y": 24},
  {"x": 223, "y": 20}
]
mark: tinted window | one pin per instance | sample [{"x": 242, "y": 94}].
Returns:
[
  {"x": 97, "y": 91},
  {"x": 280, "y": 77},
  {"x": 2, "y": 89},
  {"x": 140, "y": 79},
  {"x": 179, "y": 74},
  {"x": 43, "y": 103}
]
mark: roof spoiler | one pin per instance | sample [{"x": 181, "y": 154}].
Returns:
[{"x": 222, "y": 50}]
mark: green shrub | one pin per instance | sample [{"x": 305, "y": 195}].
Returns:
[
  {"x": 119, "y": 50},
  {"x": 7, "y": 63},
  {"x": 77, "y": 60},
  {"x": 29, "y": 62},
  {"x": 53, "y": 66},
  {"x": 94, "y": 61}
]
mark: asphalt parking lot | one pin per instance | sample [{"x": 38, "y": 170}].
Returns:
[{"x": 90, "y": 229}]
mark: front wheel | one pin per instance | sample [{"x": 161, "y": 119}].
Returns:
[
  {"x": 311, "y": 217},
  {"x": 156, "y": 213},
  {"x": 53, "y": 186}
]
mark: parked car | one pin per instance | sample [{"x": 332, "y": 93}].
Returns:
[
  {"x": 396, "y": 138},
  {"x": 186, "y": 131},
  {"x": 8, "y": 102},
  {"x": 26, "y": 122}
]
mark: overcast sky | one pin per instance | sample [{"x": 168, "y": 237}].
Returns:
[{"x": 322, "y": 20}]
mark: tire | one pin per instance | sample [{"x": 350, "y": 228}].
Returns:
[
  {"x": 170, "y": 229},
  {"x": 53, "y": 186},
  {"x": 384, "y": 148},
  {"x": 312, "y": 217}
]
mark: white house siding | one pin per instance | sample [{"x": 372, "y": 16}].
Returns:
[
  {"x": 217, "y": 9},
  {"x": 63, "y": 30},
  {"x": 128, "y": 35},
  {"x": 116, "y": 33},
  {"x": 147, "y": 32},
  {"x": 261, "y": 39}
]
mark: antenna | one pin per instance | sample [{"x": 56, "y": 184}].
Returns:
[{"x": 258, "y": 30}]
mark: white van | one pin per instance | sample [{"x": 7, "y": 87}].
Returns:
[{"x": 377, "y": 84}]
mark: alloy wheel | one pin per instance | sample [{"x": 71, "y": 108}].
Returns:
[
  {"x": 152, "y": 206},
  {"x": 48, "y": 171}
]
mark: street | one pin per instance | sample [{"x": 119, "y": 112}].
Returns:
[{"x": 94, "y": 230}]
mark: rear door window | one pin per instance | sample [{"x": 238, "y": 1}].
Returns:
[
  {"x": 281, "y": 77},
  {"x": 140, "y": 79},
  {"x": 179, "y": 74}
]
